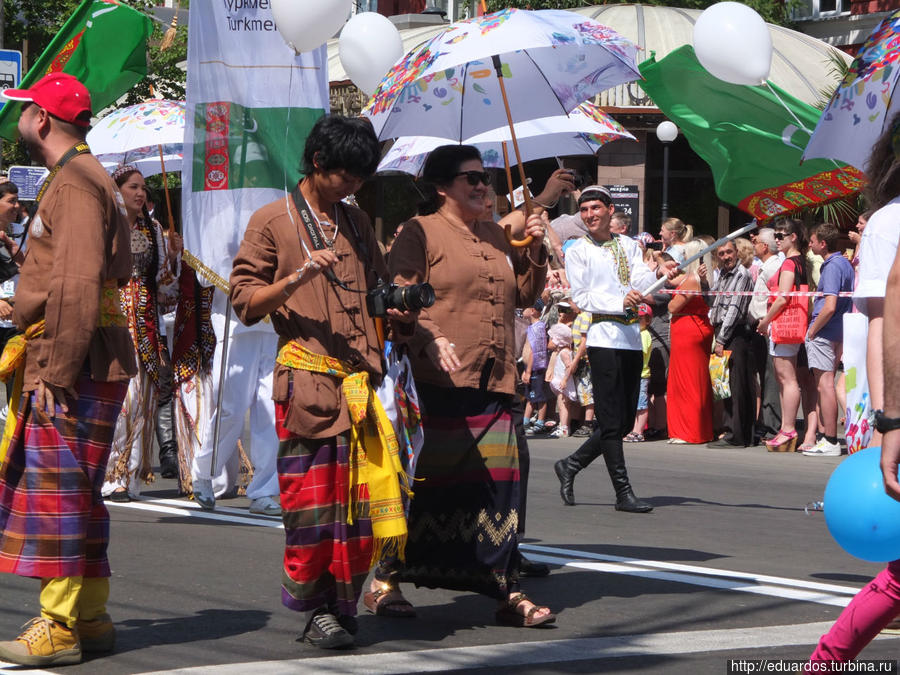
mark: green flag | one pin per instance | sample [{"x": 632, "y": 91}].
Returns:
[
  {"x": 751, "y": 137},
  {"x": 103, "y": 44}
]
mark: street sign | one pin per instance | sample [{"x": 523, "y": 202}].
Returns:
[
  {"x": 28, "y": 179},
  {"x": 627, "y": 200},
  {"x": 10, "y": 68}
]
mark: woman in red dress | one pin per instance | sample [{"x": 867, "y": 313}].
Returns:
[{"x": 689, "y": 392}]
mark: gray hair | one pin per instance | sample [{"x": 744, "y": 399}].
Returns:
[{"x": 767, "y": 236}]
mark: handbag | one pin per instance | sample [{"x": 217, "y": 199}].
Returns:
[
  {"x": 720, "y": 376},
  {"x": 8, "y": 267},
  {"x": 400, "y": 400},
  {"x": 791, "y": 325}
]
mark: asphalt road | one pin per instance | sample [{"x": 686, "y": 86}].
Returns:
[{"x": 727, "y": 566}]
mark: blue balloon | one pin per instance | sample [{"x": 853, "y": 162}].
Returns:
[{"x": 861, "y": 517}]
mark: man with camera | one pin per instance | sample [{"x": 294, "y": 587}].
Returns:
[{"x": 311, "y": 266}]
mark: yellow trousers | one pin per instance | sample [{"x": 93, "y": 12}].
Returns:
[{"x": 68, "y": 599}]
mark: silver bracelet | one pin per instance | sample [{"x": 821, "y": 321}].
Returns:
[{"x": 300, "y": 272}]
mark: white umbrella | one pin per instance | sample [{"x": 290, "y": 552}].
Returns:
[
  {"x": 139, "y": 135},
  {"x": 583, "y": 132}
]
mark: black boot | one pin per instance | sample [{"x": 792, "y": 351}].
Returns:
[
  {"x": 615, "y": 464},
  {"x": 165, "y": 436},
  {"x": 565, "y": 471}
]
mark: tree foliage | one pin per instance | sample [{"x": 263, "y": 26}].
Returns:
[{"x": 773, "y": 11}]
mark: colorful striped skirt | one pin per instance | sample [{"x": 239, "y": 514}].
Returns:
[
  {"x": 326, "y": 560},
  {"x": 464, "y": 513},
  {"x": 53, "y": 522}
]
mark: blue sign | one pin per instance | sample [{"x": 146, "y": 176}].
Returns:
[
  {"x": 10, "y": 68},
  {"x": 28, "y": 179}
]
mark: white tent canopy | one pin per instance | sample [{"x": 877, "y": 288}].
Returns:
[{"x": 801, "y": 64}]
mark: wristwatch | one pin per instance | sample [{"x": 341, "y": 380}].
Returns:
[{"x": 884, "y": 424}]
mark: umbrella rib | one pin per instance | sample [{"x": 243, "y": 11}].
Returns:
[{"x": 462, "y": 105}]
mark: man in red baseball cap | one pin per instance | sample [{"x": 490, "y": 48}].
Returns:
[{"x": 73, "y": 370}]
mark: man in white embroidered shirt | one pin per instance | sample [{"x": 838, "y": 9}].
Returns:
[{"x": 607, "y": 275}]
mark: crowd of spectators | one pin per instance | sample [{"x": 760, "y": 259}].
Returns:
[{"x": 785, "y": 392}]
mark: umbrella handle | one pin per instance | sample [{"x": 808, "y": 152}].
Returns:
[
  {"x": 517, "y": 243},
  {"x": 162, "y": 163}
]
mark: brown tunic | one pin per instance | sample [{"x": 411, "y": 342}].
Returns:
[
  {"x": 78, "y": 240},
  {"x": 479, "y": 280},
  {"x": 322, "y": 317}
]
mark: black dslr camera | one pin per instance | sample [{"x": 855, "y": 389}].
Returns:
[{"x": 404, "y": 298}]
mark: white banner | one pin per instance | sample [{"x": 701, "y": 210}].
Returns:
[{"x": 250, "y": 104}]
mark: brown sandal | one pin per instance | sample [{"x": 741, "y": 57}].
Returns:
[
  {"x": 508, "y": 616},
  {"x": 388, "y": 601}
]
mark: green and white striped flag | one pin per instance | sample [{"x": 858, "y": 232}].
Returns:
[{"x": 250, "y": 104}]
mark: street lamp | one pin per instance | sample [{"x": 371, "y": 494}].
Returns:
[{"x": 666, "y": 132}]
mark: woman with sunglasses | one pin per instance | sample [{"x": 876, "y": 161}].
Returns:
[
  {"x": 463, "y": 517},
  {"x": 790, "y": 237}
]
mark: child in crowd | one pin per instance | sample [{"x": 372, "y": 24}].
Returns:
[
  {"x": 562, "y": 384},
  {"x": 534, "y": 356},
  {"x": 645, "y": 316}
]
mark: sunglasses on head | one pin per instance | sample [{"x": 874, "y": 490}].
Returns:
[{"x": 473, "y": 178}]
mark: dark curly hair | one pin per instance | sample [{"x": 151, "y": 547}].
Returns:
[
  {"x": 336, "y": 142},
  {"x": 441, "y": 168}
]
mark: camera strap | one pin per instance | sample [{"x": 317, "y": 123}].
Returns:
[{"x": 316, "y": 238}]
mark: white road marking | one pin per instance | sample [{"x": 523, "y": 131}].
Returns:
[
  {"x": 531, "y": 653},
  {"x": 708, "y": 577}
]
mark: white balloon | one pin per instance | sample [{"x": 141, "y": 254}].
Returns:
[
  {"x": 733, "y": 43},
  {"x": 369, "y": 45},
  {"x": 306, "y": 24}
]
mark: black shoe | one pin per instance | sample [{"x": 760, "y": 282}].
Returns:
[
  {"x": 326, "y": 632},
  {"x": 724, "y": 443},
  {"x": 168, "y": 466},
  {"x": 529, "y": 568},
  {"x": 120, "y": 497},
  {"x": 631, "y": 504},
  {"x": 566, "y": 482}
]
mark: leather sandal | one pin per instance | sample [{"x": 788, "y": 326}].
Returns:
[
  {"x": 508, "y": 616},
  {"x": 388, "y": 601}
]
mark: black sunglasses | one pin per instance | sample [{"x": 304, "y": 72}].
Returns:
[
  {"x": 475, "y": 177},
  {"x": 780, "y": 235}
]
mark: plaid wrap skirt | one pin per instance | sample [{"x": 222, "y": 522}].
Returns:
[{"x": 53, "y": 522}]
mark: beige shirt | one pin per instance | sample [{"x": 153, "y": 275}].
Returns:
[
  {"x": 78, "y": 240},
  {"x": 319, "y": 315},
  {"x": 479, "y": 280}
]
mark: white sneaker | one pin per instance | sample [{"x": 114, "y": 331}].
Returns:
[
  {"x": 265, "y": 506},
  {"x": 560, "y": 432},
  {"x": 823, "y": 448}
]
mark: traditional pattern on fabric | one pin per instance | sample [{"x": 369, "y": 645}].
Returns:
[
  {"x": 374, "y": 451},
  {"x": 623, "y": 269},
  {"x": 150, "y": 286},
  {"x": 132, "y": 443},
  {"x": 53, "y": 522},
  {"x": 463, "y": 520},
  {"x": 195, "y": 340},
  {"x": 326, "y": 558}
]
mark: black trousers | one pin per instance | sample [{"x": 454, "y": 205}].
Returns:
[
  {"x": 769, "y": 419},
  {"x": 740, "y": 409},
  {"x": 616, "y": 377},
  {"x": 518, "y": 415}
]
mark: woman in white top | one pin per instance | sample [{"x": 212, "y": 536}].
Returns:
[{"x": 675, "y": 234}]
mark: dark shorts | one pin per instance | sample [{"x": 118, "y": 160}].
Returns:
[{"x": 537, "y": 387}]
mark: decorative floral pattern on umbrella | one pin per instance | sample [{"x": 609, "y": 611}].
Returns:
[
  {"x": 551, "y": 60},
  {"x": 863, "y": 104},
  {"x": 133, "y": 135}
]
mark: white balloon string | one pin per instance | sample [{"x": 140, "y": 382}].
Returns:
[
  {"x": 785, "y": 106},
  {"x": 287, "y": 127}
]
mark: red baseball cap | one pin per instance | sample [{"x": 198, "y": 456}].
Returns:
[{"x": 61, "y": 95}]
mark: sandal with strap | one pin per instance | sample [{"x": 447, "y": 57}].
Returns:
[
  {"x": 388, "y": 601},
  {"x": 508, "y": 616}
]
